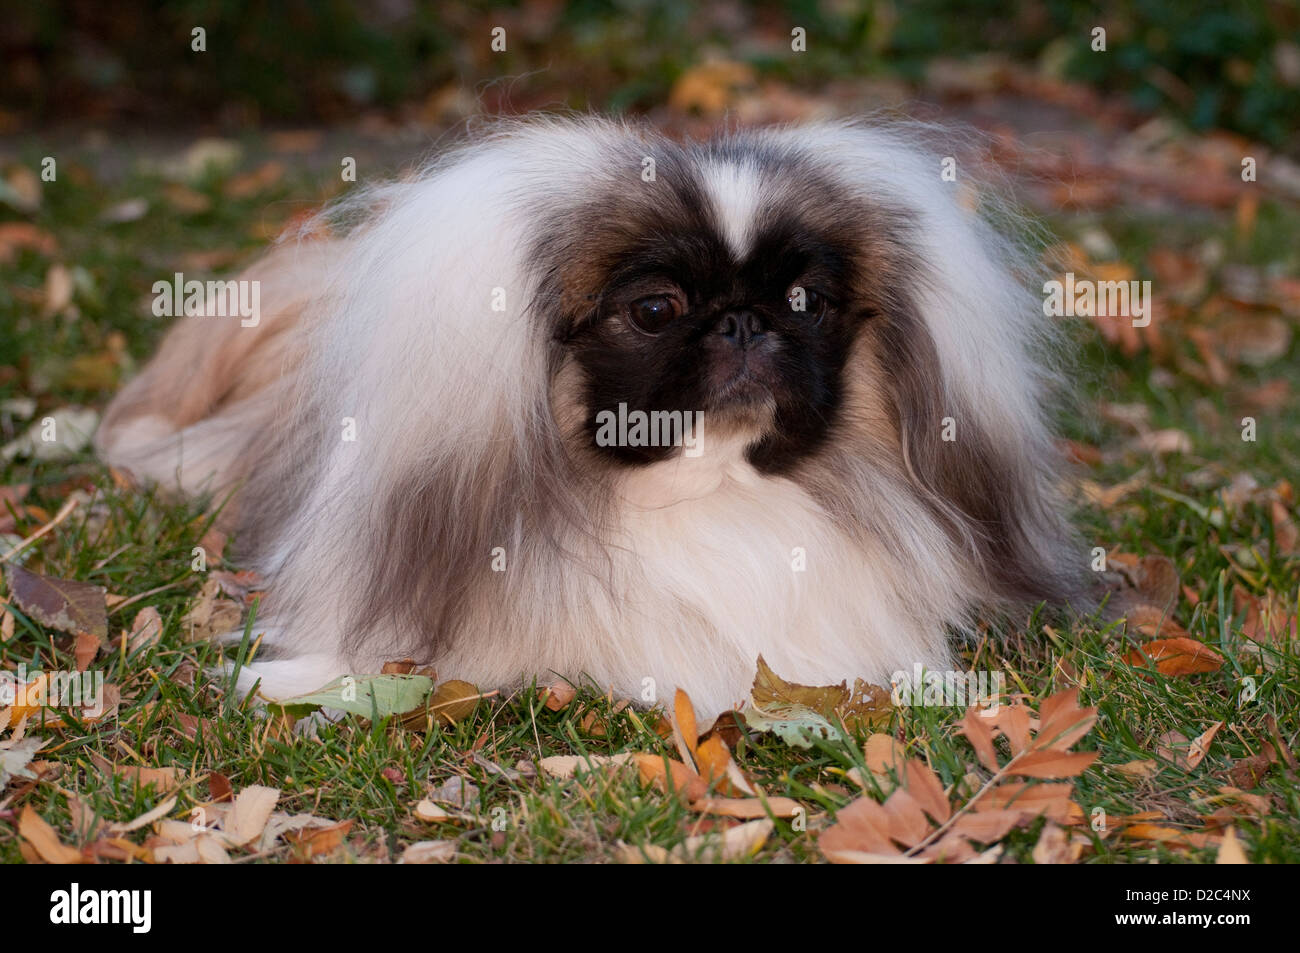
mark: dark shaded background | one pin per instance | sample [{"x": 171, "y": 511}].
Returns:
[{"x": 1234, "y": 66}]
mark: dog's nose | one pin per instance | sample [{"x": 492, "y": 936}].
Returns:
[{"x": 740, "y": 326}]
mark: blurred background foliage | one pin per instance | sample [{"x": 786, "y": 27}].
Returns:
[{"x": 1234, "y": 66}]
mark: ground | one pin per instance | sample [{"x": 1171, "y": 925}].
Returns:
[{"x": 1185, "y": 435}]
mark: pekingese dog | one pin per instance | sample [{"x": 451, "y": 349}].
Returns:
[{"x": 580, "y": 400}]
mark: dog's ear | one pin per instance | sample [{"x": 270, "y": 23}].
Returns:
[{"x": 991, "y": 486}]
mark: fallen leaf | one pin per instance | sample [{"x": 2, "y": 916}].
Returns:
[
  {"x": 1056, "y": 846},
  {"x": 1255, "y": 341},
  {"x": 1230, "y": 850},
  {"x": 1199, "y": 746},
  {"x": 15, "y": 235},
  {"x": 1175, "y": 657},
  {"x": 429, "y": 852},
  {"x": 163, "y": 779},
  {"x": 145, "y": 819},
  {"x": 565, "y": 766},
  {"x": 456, "y": 791},
  {"x": 35, "y": 831},
  {"x": 799, "y": 713},
  {"x": 749, "y": 807},
  {"x": 710, "y": 87},
  {"x": 85, "y": 649},
  {"x": 558, "y": 696},
  {"x": 1143, "y": 768},
  {"x": 248, "y": 815},
  {"x": 370, "y": 696},
  {"x": 15, "y": 759},
  {"x": 736, "y": 843},
  {"x": 454, "y": 701},
  {"x": 318, "y": 841},
  {"x": 62, "y": 604},
  {"x": 146, "y": 630}
]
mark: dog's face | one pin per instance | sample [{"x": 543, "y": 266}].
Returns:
[{"x": 734, "y": 291}]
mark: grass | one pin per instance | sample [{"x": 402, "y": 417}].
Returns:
[{"x": 174, "y": 711}]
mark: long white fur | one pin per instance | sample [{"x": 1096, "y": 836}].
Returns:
[{"x": 406, "y": 343}]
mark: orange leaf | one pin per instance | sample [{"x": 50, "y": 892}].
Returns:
[
  {"x": 33, "y": 829},
  {"x": 1174, "y": 657},
  {"x": 862, "y": 827},
  {"x": 317, "y": 841},
  {"x": 685, "y": 781},
  {"x": 978, "y": 730},
  {"x": 1050, "y": 800},
  {"x": 923, "y": 784},
  {"x": 907, "y": 823},
  {"x": 688, "y": 733},
  {"x": 1052, "y": 764},
  {"x": 748, "y": 807}
]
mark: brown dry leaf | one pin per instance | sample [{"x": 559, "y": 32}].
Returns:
[
  {"x": 1154, "y": 579},
  {"x": 1168, "y": 835},
  {"x": 859, "y": 707},
  {"x": 686, "y": 732},
  {"x": 244, "y": 586},
  {"x": 163, "y": 779},
  {"x": 565, "y": 766},
  {"x": 318, "y": 841},
  {"x": 743, "y": 840},
  {"x": 883, "y": 754},
  {"x": 15, "y": 235},
  {"x": 1174, "y": 746},
  {"x": 146, "y": 630},
  {"x": 748, "y": 807},
  {"x": 1056, "y": 846},
  {"x": 1049, "y": 800},
  {"x": 23, "y": 190},
  {"x": 429, "y": 852},
  {"x": 1199, "y": 746},
  {"x": 453, "y": 701},
  {"x": 916, "y": 823},
  {"x": 1267, "y": 620},
  {"x": 28, "y": 700},
  {"x": 654, "y": 769},
  {"x": 145, "y": 819},
  {"x": 1062, "y": 722},
  {"x": 1175, "y": 657},
  {"x": 1052, "y": 764},
  {"x": 211, "y": 616},
  {"x": 62, "y": 604},
  {"x": 1142, "y": 768},
  {"x": 1154, "y": 623},
  {"x": 58, "y": 290},
  {"x": 219, "y": 788},
  {"x": 1270, "y": 396},
  {"x": 710, "y": 88},
  {"x": 1285, "y": 533},
  {"x": 85, "y": 649},
  {"x": 558, "y": 696},
  {"x": 1253, "y": 340},
  {"x": 249, "y": 813},
  {"x": 250, "y": 183},
  {"x": 715, "y": 765},
  {"x": 186, "y": 200},
  {"x": 1230, "y": 850},
  {"x": 431, "y": 813},
  {"x": 978, "y": 729},
  {"x": 33, "y": 829},
  {"x": 1248, "y": 772}
]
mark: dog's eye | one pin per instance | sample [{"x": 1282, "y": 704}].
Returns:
[
  {"x": 812, "y": 305},
  {"x": 654, "y": 313}
]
